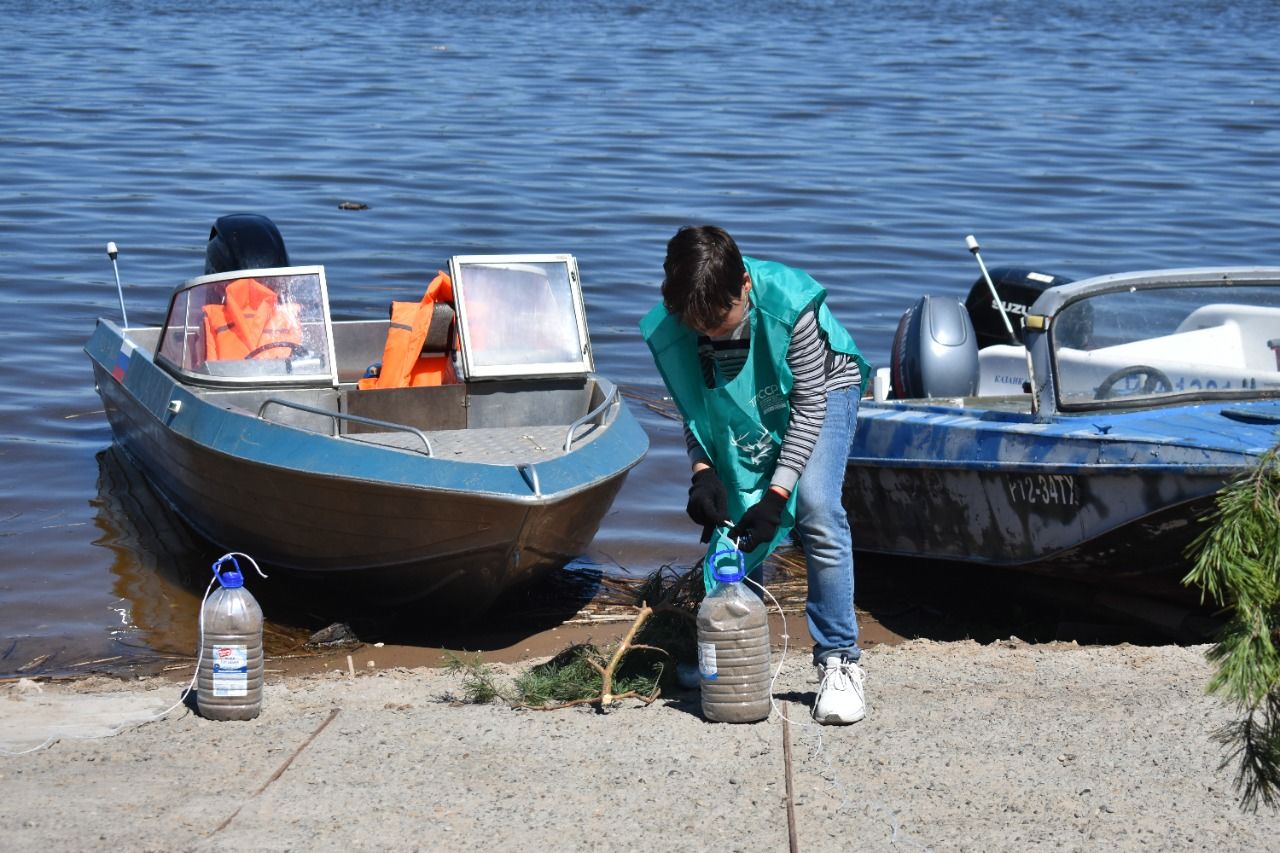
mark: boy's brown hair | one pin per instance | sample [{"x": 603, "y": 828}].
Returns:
[{"x": 704, "y": 273}]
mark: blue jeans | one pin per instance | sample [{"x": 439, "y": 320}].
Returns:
[{"x": 823, "y": 527}]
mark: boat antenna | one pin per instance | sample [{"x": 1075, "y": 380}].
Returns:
[
  {"x": 112, "y": 251},
  {"x": 972, "y": 243}
]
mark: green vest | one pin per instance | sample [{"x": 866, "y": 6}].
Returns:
[{"x": 741, "y": 423}]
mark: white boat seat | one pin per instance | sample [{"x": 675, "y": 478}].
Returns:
[{"x": 1251, "y": 327}]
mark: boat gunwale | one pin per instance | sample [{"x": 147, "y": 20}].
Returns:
[{"x": 1026, "y": 467}]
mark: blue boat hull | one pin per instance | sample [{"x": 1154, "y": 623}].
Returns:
[{"x": 1098, "y": 497}]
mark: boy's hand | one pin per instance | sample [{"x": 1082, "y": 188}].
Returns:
[
  {"x": 708, "y": 501},
  {"x": 759, "y": 524}
]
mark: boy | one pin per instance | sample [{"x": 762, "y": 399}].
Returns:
[{"x": 768, "y": 383}]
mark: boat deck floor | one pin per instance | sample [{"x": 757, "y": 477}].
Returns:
[{"x": 497, "y": 445}]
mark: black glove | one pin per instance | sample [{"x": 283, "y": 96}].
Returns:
[
  {"x": 708, "y": 502},
  {"x": 759, "y": 524}
]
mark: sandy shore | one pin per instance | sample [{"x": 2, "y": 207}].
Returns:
[{"x": 1006, "y": 746}]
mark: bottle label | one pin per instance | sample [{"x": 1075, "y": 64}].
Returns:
[
  {"x": 230, "y": 670},
  {"x": 707, "y": 661}
]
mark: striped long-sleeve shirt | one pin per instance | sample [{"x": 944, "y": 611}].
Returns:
[{"x": 816, "y": 370}]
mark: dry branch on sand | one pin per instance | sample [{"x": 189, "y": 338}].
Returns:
[{"x": 608, "y": 670}]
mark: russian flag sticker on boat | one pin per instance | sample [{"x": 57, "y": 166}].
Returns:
[{"x": 122, "y": 360}]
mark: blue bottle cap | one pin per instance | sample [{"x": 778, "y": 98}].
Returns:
[
  {"x": 229, "y": 578},
  {"x": 735, "y": 573}
]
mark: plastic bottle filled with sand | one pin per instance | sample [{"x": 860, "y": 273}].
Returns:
[
  {"x": 230, "y": 675},
  {"x": 733, "y": 646}
]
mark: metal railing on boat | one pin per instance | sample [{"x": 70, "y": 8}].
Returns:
[
  {"x": 608, "y": 400},
  {"x": 610, "y": 396},
  {"x": 313, "y": 410}
]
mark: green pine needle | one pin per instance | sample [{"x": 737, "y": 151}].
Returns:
[
  {"x": 479, "y": 681},
  {"x": 568, "y": 677},
  {"x": 1237, "y": 565}
]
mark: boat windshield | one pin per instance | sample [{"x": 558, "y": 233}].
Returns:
[
  {"x": 251, "y": 327},
  {"x": 1140, "y": 345},
  {"x": 520, "y": 315}
]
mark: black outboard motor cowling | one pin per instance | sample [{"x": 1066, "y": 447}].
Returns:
[
  {"x": 244, "y": 241},
  {"x": 1018, "y": 289}
]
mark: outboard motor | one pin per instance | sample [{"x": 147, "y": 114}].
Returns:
[
  {"x": 935, "y": 351},
  {"x": 244, "y": 241},
  {"x": 1018, "y": 289}
]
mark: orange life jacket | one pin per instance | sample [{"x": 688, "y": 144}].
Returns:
[
  {"x": 249, "y": 318},
  {"x": 403, "y": 364}
]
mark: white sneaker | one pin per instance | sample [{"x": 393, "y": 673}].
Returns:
[{"x": 840, "y": 697}]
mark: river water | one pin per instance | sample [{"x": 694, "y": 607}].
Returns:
[{"x": 860, "y": 141}]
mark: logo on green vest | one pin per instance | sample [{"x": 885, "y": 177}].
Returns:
[
  {"x": 755, "y": 448},
  {"x": 769, "y": 399}
]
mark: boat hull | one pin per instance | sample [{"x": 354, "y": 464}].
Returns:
[
  {"x": 1071, "y": 523},
  {"x": 1077, "y": 500},
  {"x": 389, "y": 525}
]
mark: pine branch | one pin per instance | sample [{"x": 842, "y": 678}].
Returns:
[
  {"x": 1237, "y": 564},
  {"x": 585, "y": 675},
  {"x": 561, "y": 681}
]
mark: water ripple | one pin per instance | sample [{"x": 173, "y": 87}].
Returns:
[{"x": 861, "y": 142}]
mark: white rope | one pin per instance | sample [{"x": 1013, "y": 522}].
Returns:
[{"x": 786, "y": 640}]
